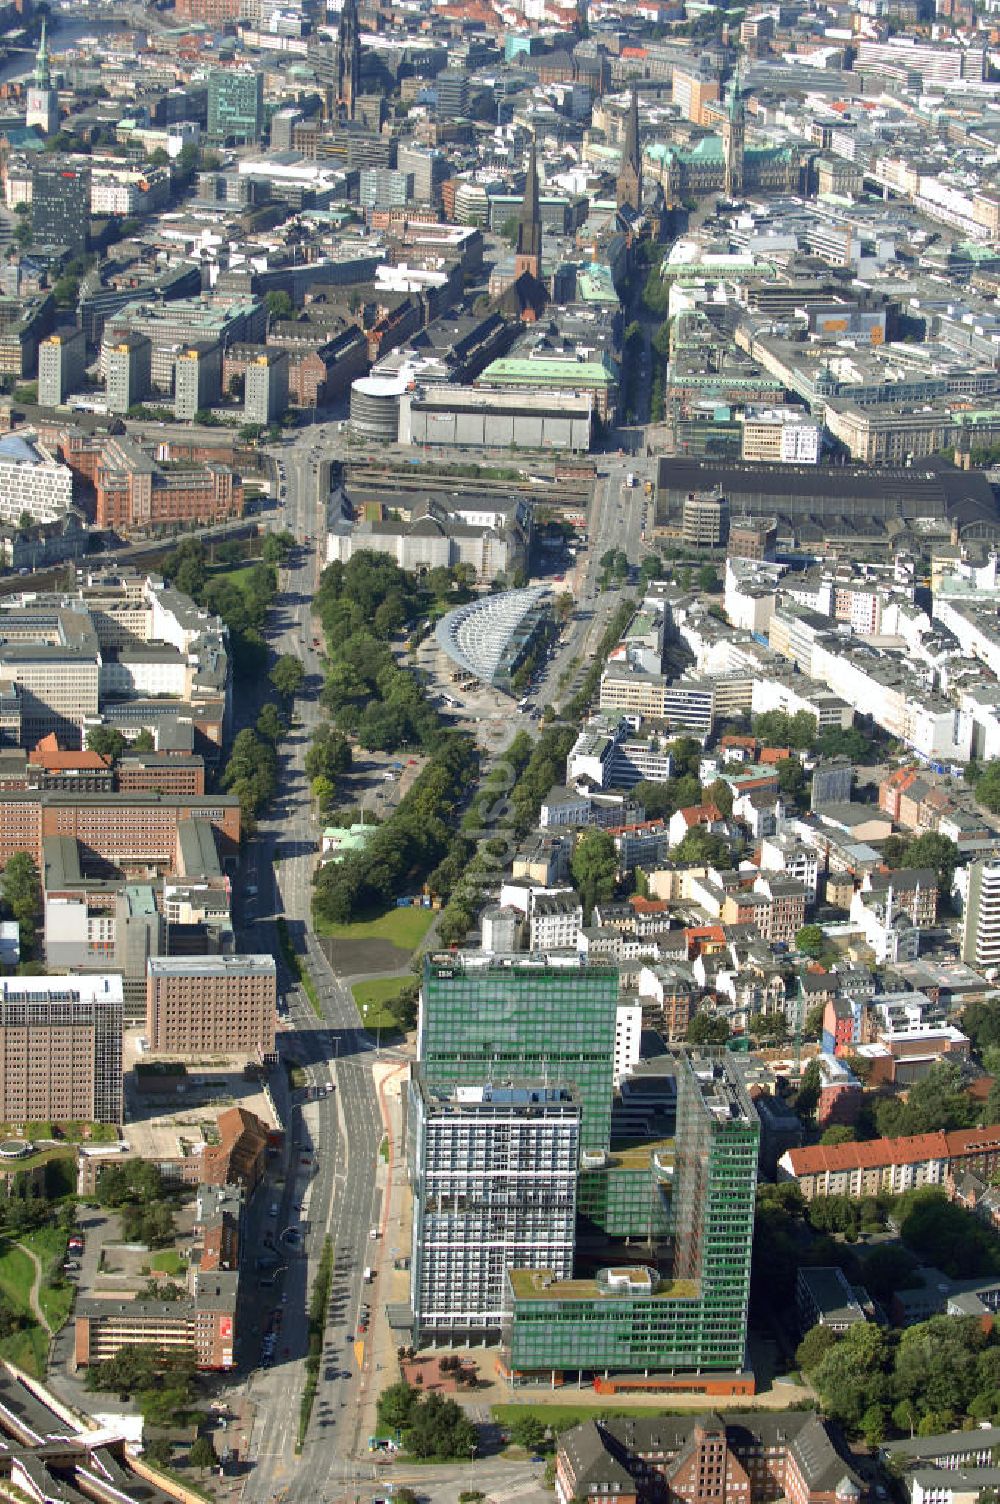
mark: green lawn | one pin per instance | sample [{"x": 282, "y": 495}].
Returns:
[
  {"x": 403, "y": 927},
  {"x": 167, "y": 1262},
  {"x": 17, "y": 1275},
  {"x": 561, "y": 1417},
  {"x": 56, "y": 1300},
  {"x": 28, "y": 1349},
  {"x": 238, "y": 576},
  {"x": 371, "y": 998}
]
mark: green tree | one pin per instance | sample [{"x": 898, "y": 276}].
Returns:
[
  {"x": 396, "y": 1404},
  {"x": 708, "y": 579},
  {"x": 704, "y": 847},
  {"x": 144, "y": 742},
  {"x": 814, "y": 1347},
  {"x": 812, "y": 1027},
  {"x": 202, "y": 1453},
  {"x": 810, "y": 940},
  {"x": 269, "y": 723},
  {"x": 593, "y": 864},
  {"x": 987, "y": 785},
  {"x": 791, "y": 779},
  {"x": 279, "y": 306},
  {"x": 707, "y": 1028},
  {"x": 838, "y": 1133},
  {"x": 936, "y": 852},
  {"x": 106, "y": 740},
  {"x": 807, "y": 1096},
  {"x": 22, "y": 893},
  {"x": 528, "y": 1431},
  {"x": 287, "y": 676}
]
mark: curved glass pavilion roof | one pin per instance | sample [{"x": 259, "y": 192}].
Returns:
[{"x": 480, "y": 635}]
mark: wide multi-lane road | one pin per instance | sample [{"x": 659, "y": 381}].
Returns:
[{"x": 334, "y": 1122}]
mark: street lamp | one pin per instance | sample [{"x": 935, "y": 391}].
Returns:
[{"x": 472, "y": 1461}]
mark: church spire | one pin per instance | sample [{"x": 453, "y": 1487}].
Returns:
[
  {"x": 528, "y": 252},
  {"x": 43, "y": 78},
  {"x": 629, "y": 185}
]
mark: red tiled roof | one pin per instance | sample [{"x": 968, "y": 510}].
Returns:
[
  {"x": 648, "y": 905},
  {"x": 700, "y": 814},
  {"x": 770, "y": 755},
  {"x": 895, "y": 1151},
  {"x": 836, "y": 1158}
]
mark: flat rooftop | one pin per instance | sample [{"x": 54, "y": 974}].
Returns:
[{"x": 539, "y": 1284}]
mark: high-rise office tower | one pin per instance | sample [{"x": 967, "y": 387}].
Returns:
[
  {"x": 452, "y": 89},
  {"x": 494, "y": 1173},
  {"x": 528, "y": 250},
  {"x": 235, "y": 105},
  {"x": 636, "y": 1318},
  {"x": 981, "y": 923},
  {"x": 43, "y": 100},
  {"x": 484, "y": 1018},
  {"x": 60, "y": 205}
]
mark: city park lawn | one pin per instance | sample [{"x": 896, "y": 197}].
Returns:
[
  {"x": 371, "y": 997},
  {"x": 404, "y": 928}
]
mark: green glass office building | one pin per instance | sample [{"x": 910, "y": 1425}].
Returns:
[
  {"x": 487, "y": 1020},
  {"x": 235, "y": 105},
  {"x": 628, "y": 1320}
]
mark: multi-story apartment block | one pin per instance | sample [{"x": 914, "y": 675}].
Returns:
[
  {"x": 556, "y": 921},
  {"x": 62, "y": 361},
  {"x": 136, "y": 493},
  {"x": 197, "y": 378},
  {"x": 211, "y": 1005},
  {"x": 494, "y": 1173},
  {"x": 61, "y": 1049},
  {"x": 892, "y": 1165},
  {"x": 981, "y": 920},
  {"x": 183, "y": 321},
  {"x": 128, "y": 368}
]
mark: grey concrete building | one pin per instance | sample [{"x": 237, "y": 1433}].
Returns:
[
  {"x": 62, "y": 360},
  {"x": 129, "y": 372}
]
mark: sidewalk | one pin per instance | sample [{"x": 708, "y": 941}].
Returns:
[{"x": 389, "y": 1285}]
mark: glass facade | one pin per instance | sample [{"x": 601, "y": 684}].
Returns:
[
  {"x": 698, "y": 1318},
  {"x": 626, "y": 1197},
  {"x": 235, "y": 105},
  {"x": 493, "y": 1021}
]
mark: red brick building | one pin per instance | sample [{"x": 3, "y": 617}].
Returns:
[
  {"x": 127, "y": 830},
  {"x": 706, "y": 1459}
]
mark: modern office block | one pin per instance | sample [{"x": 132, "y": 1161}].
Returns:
[
  {"x": 487, "y": 1018},
  {"x": 235, "y": 105},
  {"x": 198, "y": 1005},
  {"x": 266, "y": 390},
  {"x": 62, "y": 361},
  {"x": 61, "y": 1049},
  {"x": 129, "y": 368},
  {"x": 633, "y": 1317},
  {"x": 452, "y": 89},
  {"x": 197, "y": 379},
  {"x": 494, "y": 1178},
  {"x": 60, "y": 205}
]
